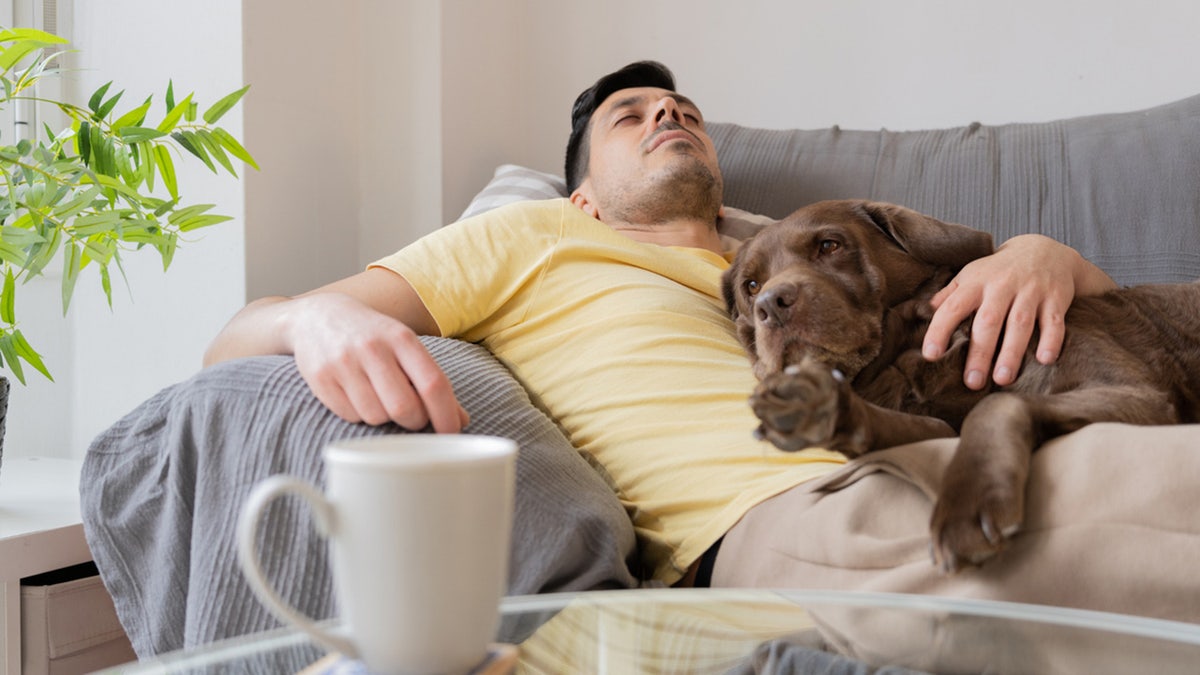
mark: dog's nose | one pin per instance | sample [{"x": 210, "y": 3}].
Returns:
[{"x": 773, "y": 306}]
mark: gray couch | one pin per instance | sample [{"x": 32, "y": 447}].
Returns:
[{"x": 162, "y": 487}]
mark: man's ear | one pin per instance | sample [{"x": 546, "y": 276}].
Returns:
[{"x": 582, "y": 199}]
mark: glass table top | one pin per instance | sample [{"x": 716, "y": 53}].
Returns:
[{"x": 749, "y": 631}]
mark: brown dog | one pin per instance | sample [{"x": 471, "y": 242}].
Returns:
[{"x": 832, "y": 304}]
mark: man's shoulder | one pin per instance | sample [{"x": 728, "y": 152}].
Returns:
[
  {"x": 545, "y": 219},
  {"x": 540, "y": 210}
]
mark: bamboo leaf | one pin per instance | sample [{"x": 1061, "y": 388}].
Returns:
[
  {"x": 108, "y": 105},
  {"x": 25, "y": 41},
  {"x": 167, "y": 250},
  {"x": 6, "y": 298},
  {"x": 221, "y": 107},
  {"x": 109, "y": 149},
  {"x": 21, "y": 237},
  {"x": 133, "y": 118},
  {"x": 188, "y": 212},
  {"x": 173, "y": 116},
  {"x": 166, "y": 168},
  {"x": 170, "y": 95},
  {"x": 83, "y": 142},
  {"x": 201, "y": 221},
  {"x": 135, "y": 134},
  {"x": 12, "y": 55},
  {"x": 71, "y": 265},
  {"x": 26, "y": 352},
  {"x": 125, "y": 168},
  {"x": 98, "y": 96},
  {"x": 146, "y": 159},
  {"x": 188, "y": 140},
  {"x": 40, "y": 255},
  {"x": 15, "y": 34},
  {"x": 115, "y": 185},
  {"x": 233, "y": 146},
  {"x": 98, "y": 249},
  {"x": 165, "y": 207},
  {"x": 215, "y": 150},
  {"x": 106, "y": 284},
  {"x": 97, "y": 146},
  {"x": 11, "y": 254},
  {"x": 10, "y": 357},
  {"x": 86, "y": 226}
]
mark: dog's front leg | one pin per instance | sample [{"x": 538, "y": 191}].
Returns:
[
  {"x": 812, "y": 405},
  {"x": 981, "y": 504},
  {"x": 982, "y": 498}
]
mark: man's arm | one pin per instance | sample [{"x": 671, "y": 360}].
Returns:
[
  {"x": 1031, "y": 279},
  {"x": 356, "y": 344}
]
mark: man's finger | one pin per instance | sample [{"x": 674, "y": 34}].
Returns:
[
  {"x": 951, "y": 309},
  {"x": 432, "y": 387},
  {"x": 401, "y": 403},
  {"x": 940, "y": 297},
  {"x": 1017, "y": 331},
  {"x": 1052, "y": 325},
  {"x": 330, "y": 393},
  {"x": 985, "y": 334},
  {"x": 361, "y": 392}
]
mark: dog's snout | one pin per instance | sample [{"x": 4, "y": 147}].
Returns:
[{"x": 773, "y": 306}]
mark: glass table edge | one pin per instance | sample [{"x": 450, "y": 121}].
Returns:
[{"x": 1147, "y": 627}]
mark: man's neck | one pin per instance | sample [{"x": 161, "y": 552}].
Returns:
[{"x": 684, "y": 233}]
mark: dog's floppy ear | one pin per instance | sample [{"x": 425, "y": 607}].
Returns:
[
  {"x": 729, "y": 277},
  {"x": 928, "y": 239},
  {"x": 744, "y": 325}
]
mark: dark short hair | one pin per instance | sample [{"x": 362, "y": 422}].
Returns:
[{"x": 639, "y": 74}]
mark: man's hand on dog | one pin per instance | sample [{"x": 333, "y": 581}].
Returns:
[{"x": 1029, "y": 283}]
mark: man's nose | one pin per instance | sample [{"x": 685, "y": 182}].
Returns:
[{"x": 668, "y": 109}]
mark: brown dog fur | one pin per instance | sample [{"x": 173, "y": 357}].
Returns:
[{"x": 832, "y": 305}]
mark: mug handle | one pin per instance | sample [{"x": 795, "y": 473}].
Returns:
[{"x": 323, "y": 515}]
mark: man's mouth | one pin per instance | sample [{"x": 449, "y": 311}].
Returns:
[{"x": 671, "y": 132}]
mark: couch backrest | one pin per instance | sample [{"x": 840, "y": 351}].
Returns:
[{"x": 1123, "y": 189}]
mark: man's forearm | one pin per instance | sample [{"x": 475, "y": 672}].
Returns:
[
  {"x": 1090, "y": 279},
  {"x": 253, "y": 331}
]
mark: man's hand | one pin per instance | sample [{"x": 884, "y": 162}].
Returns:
[
  {"x": 356, "y": 343},
  {"x": 368, "y": 367},
  {"x": 1030, "y": 280}
]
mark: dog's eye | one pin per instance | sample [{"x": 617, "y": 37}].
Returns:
[
  {"x": 828, "y": 246},
  {"x": 752, "y": 287}
]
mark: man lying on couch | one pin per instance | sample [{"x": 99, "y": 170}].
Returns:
[{"x": 608, "y": 309}]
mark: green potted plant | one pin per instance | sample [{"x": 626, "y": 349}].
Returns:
[{"x": 103, "y": 185}]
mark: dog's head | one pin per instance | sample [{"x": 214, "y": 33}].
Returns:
[{"x": 818, "y": 283}]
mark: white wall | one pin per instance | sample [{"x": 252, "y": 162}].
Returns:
[
  {"x": 901, "y": 64},
  {"x": 375, "y": 121},
  {"x": 343, "y": 119}
]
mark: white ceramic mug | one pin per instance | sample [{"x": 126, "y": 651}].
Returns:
[{"x": 419, "y": 528}]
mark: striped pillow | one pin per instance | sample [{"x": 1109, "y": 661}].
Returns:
[{"x": 512, "y": 183}]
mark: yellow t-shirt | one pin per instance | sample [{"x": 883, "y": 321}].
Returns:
[{"x": 629, "y": 347}]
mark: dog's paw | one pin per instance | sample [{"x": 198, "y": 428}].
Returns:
[
  {"x": 973, "y": 521},
  {"x": 798, "y": 406}
]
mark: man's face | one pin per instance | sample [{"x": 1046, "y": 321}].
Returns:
[{"x": 650, "y": 144}]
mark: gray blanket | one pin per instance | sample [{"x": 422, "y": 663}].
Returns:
[{"x": 162, "y": 488}]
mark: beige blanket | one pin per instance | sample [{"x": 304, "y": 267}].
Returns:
[{"x": 1112, "y": 524}]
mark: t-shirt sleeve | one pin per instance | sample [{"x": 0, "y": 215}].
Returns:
[{"x": 475, "y": 276}]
